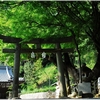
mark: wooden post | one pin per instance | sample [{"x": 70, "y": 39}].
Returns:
[
  {"x": 16, "y": 70},
  {"x": 60, "y": 65}
]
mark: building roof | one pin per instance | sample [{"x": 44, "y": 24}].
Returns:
[{"x": 6, "y": 74}]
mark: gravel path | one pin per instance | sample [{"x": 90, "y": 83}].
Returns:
[
  {"x": 47, "y": 95},
  {"x": 40, "y": 95}
]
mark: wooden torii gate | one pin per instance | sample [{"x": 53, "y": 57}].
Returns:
[{"x": 38, "y": 41}]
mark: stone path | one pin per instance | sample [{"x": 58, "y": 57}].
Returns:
[
  {"x": 40, "y": 95},
  {"x": 47, "y": 95}
]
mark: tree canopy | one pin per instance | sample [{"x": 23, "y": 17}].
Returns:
[{"x": 45, "y": 19}]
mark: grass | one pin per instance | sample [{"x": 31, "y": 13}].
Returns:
[{"x": 42, "y": 89}]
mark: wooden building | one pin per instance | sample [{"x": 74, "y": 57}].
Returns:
[{"x": 6, "y": 79}]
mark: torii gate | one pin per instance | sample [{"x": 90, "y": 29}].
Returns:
[{"x": 38, "y": 41}]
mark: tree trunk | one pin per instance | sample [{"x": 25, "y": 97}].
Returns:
[
  {"x": 68, "y": 87},
  {"x": 95, "y": 35},
  {"x": 70, "y": 67},
  {"x": 95, "y": 71}
]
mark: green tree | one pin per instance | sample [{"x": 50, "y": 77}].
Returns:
[
  {"x": 32, "y": 19},
  {"x": 30, "y": 72}
]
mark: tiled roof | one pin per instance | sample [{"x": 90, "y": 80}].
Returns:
[{"x": 5, "y": 74}]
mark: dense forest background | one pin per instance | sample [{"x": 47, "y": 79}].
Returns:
[{"x": 47, "y": 19}]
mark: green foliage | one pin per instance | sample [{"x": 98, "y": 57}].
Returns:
[
  {"x": 42, "y": 89},
  {"x": 38, "y": 78},
  {"x": 50, "y": 72},
  {"x": 30, "y": 69}
]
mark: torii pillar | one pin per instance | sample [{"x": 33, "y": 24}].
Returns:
[
  {"x": 16, "y": 70},
  {"x": 63, "y": 91}
]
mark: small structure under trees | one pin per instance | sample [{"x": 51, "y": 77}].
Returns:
[{"x": 6, "y": 79}]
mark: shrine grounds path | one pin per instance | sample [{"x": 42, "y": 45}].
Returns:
[
  {"x": 40, "y": 95},
  {"x": 48, "y": 95}
]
